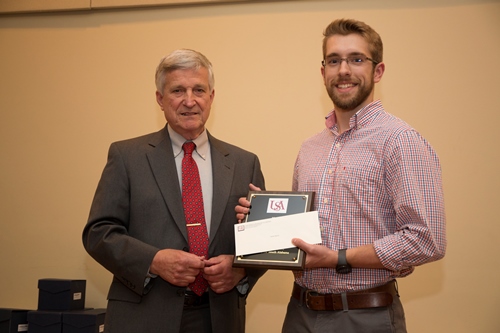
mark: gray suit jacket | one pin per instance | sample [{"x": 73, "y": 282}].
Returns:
[{"x": 137, "y": 210}]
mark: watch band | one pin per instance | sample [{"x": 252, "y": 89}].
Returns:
[
  {"x": 343, "y": 266},
  {"x": 342, "y": 257}
]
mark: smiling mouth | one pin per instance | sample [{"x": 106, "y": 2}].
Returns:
[
  {"x": 187, "y": 114},
  {"x": 345, "y": 85}
]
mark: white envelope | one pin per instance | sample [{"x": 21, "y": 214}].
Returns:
[{"x": 276, "y": 233}]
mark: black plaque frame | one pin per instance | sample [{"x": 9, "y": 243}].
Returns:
[{"x": 285, "y": 259}]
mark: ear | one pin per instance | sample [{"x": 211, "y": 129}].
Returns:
[
  {"x": 212, "y": 95},
  {"x": 323, "y": 73},
  {"x": 159, "y": 99},
  {"x": 378, "y": 72}
]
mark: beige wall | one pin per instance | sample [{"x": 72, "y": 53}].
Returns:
[{"x": 71, "y": 83}]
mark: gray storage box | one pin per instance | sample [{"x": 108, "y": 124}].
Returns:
[
  {"x": 60, "y": 294},
  {"x": 44, "y": 322},
  {"x": 13, "y": 320},
  {"x": 86, "y": 321}
]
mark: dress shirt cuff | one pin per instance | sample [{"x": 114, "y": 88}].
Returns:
[
  {"x": 149, "y": 276},
  {"x": 243, "y": 286}
]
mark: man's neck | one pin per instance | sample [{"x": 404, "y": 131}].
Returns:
[
  {"x": 344, "y": 116},
  {"x": 343, "y": 119}
]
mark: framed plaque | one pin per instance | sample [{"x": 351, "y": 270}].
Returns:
[{"x": 269, "y": 204}]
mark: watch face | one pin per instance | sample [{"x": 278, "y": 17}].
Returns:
[{"x": 343, "y": 269}]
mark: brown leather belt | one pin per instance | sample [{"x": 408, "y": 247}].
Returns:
[
  {"x": 369, "y": 298},
  {"x": 191, "y": 299}
]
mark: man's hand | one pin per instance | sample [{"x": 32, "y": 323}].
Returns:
[
  {"x": 320, "y": 256},
  {"x": 221, "y": 275},
  {"x": 317, "y": 255},
  {"x": 178, "y": 267},
  {"x": 244, "y": 205}
]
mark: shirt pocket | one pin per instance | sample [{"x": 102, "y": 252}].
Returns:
[{"x": 361, "y": 184}]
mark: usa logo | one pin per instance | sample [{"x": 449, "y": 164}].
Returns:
[{"x": 277, "y": 205}]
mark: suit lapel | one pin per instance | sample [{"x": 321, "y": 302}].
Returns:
[
  {"x": 162, "y": 164},
  {"x": 223, "y": 171},
  {"x": 161, "y": 160}
]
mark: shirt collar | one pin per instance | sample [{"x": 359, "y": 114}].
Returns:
[
  {"x": 178, "y": 140},
  {"x": 359, "y": 119}
]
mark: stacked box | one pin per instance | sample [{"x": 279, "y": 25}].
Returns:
[
  {"x": 61, "y": 309},
  {"x": 13, "y": 320},
  {"x": 87, "y": 321},
  {"x": 44, "y": 322},
  {"x": 61, "y": 295}
]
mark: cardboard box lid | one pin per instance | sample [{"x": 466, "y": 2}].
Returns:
[
  {"x": 7, "y": 314},
  {"x": 45, "y": 318},
  {"x": 84, "y": 318},
  {"x": 55, "y": 286}
]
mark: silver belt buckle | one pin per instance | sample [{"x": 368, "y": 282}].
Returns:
[{"x": 307, "y": 293}]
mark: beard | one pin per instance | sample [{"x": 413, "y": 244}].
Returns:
[{"x": 347, "y": 102}]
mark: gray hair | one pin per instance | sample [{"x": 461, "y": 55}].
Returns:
[{"x": 182, "y": 59}]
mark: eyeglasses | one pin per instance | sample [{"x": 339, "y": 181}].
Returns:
[{"x": 352, "y": 60}]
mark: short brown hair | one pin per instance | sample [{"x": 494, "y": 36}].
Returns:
[{"x": 346, "y": 27}]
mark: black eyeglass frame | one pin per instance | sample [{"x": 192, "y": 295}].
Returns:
[{"x": 323, "y": 62}]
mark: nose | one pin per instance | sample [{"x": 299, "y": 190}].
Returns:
[
  {"x": 344, "y": 68},
  {"x": 189, "y": 100}
]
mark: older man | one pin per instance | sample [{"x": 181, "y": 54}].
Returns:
[{"x": 162, "y": 218}]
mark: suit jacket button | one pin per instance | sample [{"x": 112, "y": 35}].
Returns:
[{"x": 180, "y": 292}]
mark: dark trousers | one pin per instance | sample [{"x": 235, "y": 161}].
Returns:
[
  {"x": 196, "y": 319},
  {"x": 299, "y": 319}
]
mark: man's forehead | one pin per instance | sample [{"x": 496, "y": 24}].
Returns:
[
  {"x": 197, "y": 76},
  {"x": 346, "y": 44}
]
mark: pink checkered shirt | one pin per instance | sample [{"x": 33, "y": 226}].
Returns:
[{"x": 377, "y": 183}]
